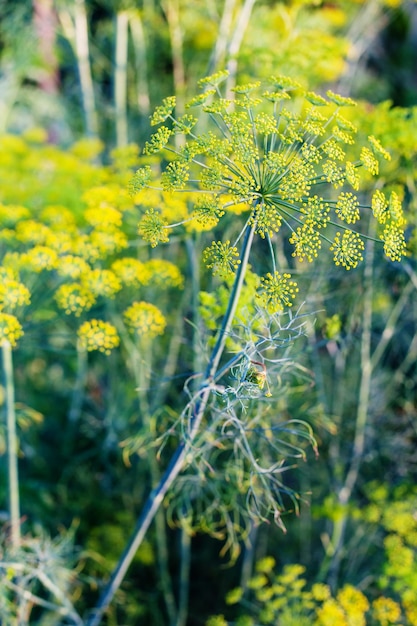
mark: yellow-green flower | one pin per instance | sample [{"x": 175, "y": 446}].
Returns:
[
  {"x": 162, "y": 273},
  {"x": 347, "y": 207},
  {"x": 103, "y": 283},
  {"x": 98, "y": 335},
  {"x": 10, "y": 329},
  {"x": 74, "y": 298},
  {"x": 320, "y": 592},
  {"x": 72, "y": 266},
  {"x": 109, "y": 195},
  {"x": 355, "y": 604},
  {"x": 40, "y": 258},
  {"x": 131, "y": 271},
  {"x": 222, "y": 258},
  {"x": 277, "y": 163},
  {"x": 306, "y": 242},
  {"x": 276, "y": 291},
  {"x": 331, "y": 614},
  {"x": 347, "y": 249},
  {"x": 103, "y": 216},
  {"x": 145, "y": 319},
  {"x": 13, "y": 294},
  {"x": 386, "y": 611},
  {"x": 152, "y": 228},
  {"x": 108, "y": 241}
]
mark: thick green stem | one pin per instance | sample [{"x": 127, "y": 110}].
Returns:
[
  {"x": 175, "y": 466},
  {"x": 12, "y": 447}
]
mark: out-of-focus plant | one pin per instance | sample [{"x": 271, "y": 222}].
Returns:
[
  {"x": 285, "y": 599},
  {"x": 66, "y": 225}
]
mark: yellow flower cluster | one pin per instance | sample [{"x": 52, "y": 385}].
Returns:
[
  {"x": 13, "y": 294},
  {"x": 74, "y": 298},
  {"x": 277, "y": 291},
  {"x": 98, "y": 335},
  {"x": 145, "y": 319},
  {"x": 10, "y": 329},
  {"x": 48, "y": 229}
]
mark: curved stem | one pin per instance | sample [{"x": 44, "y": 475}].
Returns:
[{"x": 176, "y": 463}]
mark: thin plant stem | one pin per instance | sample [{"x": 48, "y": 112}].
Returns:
[
  {"x": 12, "y": 446},
  {"x": 141, "y": 61},
  {"x": 176, "y": 463},
  {"x": 120, "y": 78},
  {"x": 235, "y": 44},
  {"x": 79, "y": 385},
  {"x": 145, "y": 357},
  {"x": 76, "y": 31},
  {"x": 184, "y": 578},
  {"x": 225, "y": 26},
  {"x": 352, "y": 473},
  {"x": 171, "y": 9}
]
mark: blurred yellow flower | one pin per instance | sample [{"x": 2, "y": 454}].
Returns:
[
  {"x": 10, "y": 329},
  {"x": 98, "y": 335},
  {"x": 145, "y": 319}
]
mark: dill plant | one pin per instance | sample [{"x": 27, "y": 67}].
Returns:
[{"x": 286, "y": 161}]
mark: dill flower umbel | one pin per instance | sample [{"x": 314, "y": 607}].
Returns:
[
  {"x": 145, "y": 319},
  {"x": 74, "y": 298},
  {"x": 281, "y": 166},
  {"x": 98, "y": 335},
  {"x": 10, "y": 329},
  {"x": 13, "y": 294},
  {"x": 102, "y": 282}
]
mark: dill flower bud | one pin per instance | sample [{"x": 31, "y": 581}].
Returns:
[
  {"x": 208, "y": 210},
  {"x": 380, "y": 206},
  {"x": 347, "y": 249},
  {"x": 394, "y": 242},
  {"x": 139, "y": 180},
  {"x": 145, "y": 319},
  {"x": 369, "y": 161},
  {"x": 306, "y": 242},
  {"x": 276, "y": 291},
  {"x": 222, "y": 258},
  {"x": 103, "y": 216},
  {"x": 158, "y": 140},
  {"x": 98, "y": 335},
  {"x": 347, "y": 207},
  {"x": 152, "y": 228},
  {"x": 163, "y": 111}
]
